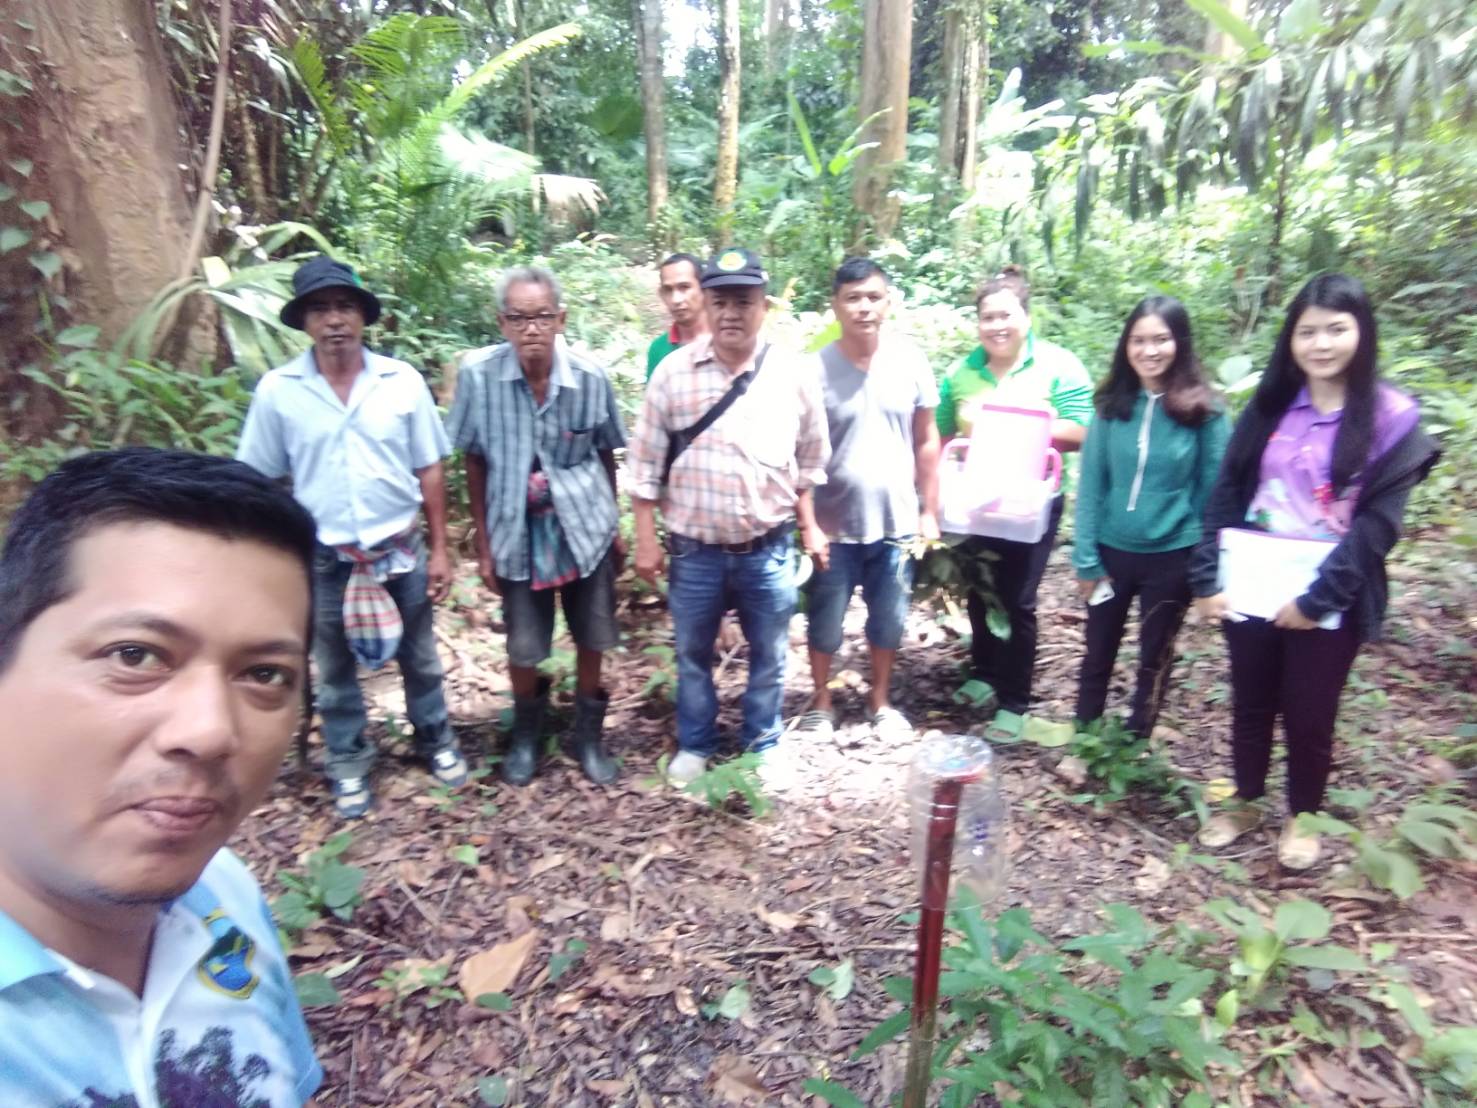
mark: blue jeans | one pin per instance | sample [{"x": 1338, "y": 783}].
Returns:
[
  {"x": 885, "y": 573},
  {"x": 340, "y": 702},
  {"x": 704, "y": 584}
]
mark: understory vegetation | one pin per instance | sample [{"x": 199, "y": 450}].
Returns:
[{"x": 1217, "y": 152}]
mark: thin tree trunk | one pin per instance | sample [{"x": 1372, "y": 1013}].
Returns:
[
  {"x": 976, "y": 63},
  {"x": 1217, "y": 42},
  {"x": 952, "y": 96},
  {"x": 653, "y": 94},
  {"x": 1273, "y": 293},
  {"x": 528, "y": 114},
  {"x": 887, "y": 50},
  {"x": 725, "y": 184},
  {"x": 251, "y": 162}
]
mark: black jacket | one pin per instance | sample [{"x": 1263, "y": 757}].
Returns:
[{"x": 1352, "y": 577}]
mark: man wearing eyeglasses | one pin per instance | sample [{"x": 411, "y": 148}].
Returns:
[{"x": 538, "y": 426}]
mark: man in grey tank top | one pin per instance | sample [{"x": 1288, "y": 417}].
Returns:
[{"x": 881, "y": 489}]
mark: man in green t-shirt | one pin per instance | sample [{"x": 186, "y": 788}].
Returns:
[
  {"x": 678, "y": 288},
  {"x": 1012, "y": 366}
]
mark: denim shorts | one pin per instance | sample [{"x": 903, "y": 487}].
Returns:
[
  {"x": 589, "y": 609},
  {"x": 885, "y": 573}
]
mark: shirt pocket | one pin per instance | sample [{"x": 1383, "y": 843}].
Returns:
[{"x": 574, "y": 448}]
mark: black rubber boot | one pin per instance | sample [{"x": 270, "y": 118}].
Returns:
[
  {"x": 520, "y": 757},
  {"x": 589, "y": 741}
]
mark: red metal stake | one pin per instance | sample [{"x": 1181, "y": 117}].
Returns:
[{"x": 937, "y": 859}]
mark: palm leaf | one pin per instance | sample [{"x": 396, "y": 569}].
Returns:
[{"x": 307, "y": 63}]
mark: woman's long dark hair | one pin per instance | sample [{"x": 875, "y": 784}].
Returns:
[
  {"x": 1284, "y": 378},
  {"x": 1188, "y": 399}
]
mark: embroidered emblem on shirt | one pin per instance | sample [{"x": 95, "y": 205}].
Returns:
[{"x": 226, "y": 967}]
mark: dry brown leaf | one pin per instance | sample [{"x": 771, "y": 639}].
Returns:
[
  {"x": 516, "y": 913},
  {"x": 608, "y": 1088},
  {"x": 737, "y": 1081},
  {"x": 413, "y": 872},
  {"x": 1152, "y": 877},
  {"x": 615, "y": 927},
  {"x": 779, "y": 921},
  {"x": 545, "y": 864},
  {"x": 684, "y": 1001},
  {"x": 495, "y": 969}
]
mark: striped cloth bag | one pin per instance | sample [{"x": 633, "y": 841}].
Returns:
[{"x": 372, "y": 622}]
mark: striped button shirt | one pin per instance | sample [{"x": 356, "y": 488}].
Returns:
[
  {"x": 742, "y": 476},
  {"x": 494, "y": 415}
]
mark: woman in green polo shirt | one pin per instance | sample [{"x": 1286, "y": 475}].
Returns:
[{"x": 1013, "y": 366}]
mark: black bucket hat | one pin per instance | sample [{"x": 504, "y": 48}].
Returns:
[{"x": 323, "y": 272}]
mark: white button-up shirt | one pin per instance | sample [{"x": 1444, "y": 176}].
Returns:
[{"x": 353, "y": 465}]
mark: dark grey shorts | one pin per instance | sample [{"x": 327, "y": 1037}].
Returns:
[{"x": 589, "y": 609}]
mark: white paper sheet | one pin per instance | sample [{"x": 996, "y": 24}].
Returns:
[{"x": 1261, "y": 572}]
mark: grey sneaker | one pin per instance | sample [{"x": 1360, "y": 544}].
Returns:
[
  {"x": 449, "y": 768},
  {"x": 352, "y": 798},
  {"x": 685, "y": 768}
]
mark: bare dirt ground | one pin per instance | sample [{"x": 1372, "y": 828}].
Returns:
[{"x": 676, "y": 903}]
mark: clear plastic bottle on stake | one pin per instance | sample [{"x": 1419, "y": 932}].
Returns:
[
  {"x": 979, "y": 861},
  {"x": 959, "y": 833}
]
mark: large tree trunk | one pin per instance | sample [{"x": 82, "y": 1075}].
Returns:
[
  {"x": 725, "y": 184},
  {"x": 106, "y": 141},
  {"x": 653, "y": 107},
  {"x": 887, "y": 50}
]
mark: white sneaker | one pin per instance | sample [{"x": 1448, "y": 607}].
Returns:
[
  {"x": 685, "y": 768},
  {"x": 777, "y": 769}
]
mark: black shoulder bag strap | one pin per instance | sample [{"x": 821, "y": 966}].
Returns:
[{"x": 678, "y": 441}]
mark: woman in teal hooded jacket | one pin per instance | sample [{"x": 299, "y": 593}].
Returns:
[{"x": 1148, "y": 465}]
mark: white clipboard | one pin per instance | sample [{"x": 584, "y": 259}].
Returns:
[{"x": 1261, "y": 572}]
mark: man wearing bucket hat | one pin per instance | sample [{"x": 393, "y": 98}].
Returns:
[
  {"x": 730, "y": 441},
  {"x": 359, "y": 436}
]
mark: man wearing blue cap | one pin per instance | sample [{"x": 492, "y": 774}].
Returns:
[{"x": 359, "y": 435}]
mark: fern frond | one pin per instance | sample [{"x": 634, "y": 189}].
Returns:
[{"x": 307, "y": 63}]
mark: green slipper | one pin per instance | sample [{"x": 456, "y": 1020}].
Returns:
[
  {"x": 1005, "y": 727},
  {"x": 1043, "y": 732}
]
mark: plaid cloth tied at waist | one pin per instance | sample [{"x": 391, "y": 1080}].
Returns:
[{"x": 372, "y": 623}]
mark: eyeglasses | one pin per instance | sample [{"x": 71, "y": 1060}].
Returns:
[{"x": 543, "y": 321}]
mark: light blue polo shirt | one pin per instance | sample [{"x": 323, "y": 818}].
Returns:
[
  {"x": 218, "y": 1013},
  {"x": 352, "y": 465}
]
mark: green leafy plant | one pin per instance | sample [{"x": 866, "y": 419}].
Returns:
[
  {"x": 1126, "y": 765},
  {"x": 325, "y": 885},
  {"x": 837, "y": 981},
  {"x": 1139, "y": 1034},
  {"x": 109, "y": 401},
  {"x": 735, "y": 777},
  {"x": 408, "y": 980},
  {"x": 731, "y": 1005},
  {"x": 316, "y": 990},
  {"x": 563, "y": 962},
  {"x": 1268, "y": 953},
  {"x": 1432, "y": 829}
]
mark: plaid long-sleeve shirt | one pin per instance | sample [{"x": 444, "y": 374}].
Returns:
[{"x": 742, "y": 476}]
